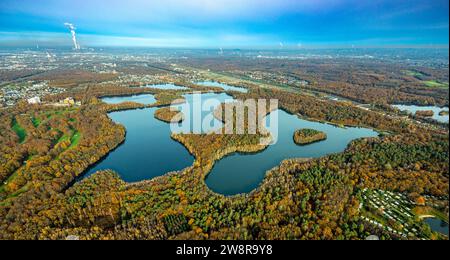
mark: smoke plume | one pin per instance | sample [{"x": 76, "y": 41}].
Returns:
[{"x": 72, "y": 29}]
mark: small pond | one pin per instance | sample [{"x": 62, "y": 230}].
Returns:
[
  {"x": 222, "y": 85},
  {"x": 167, "y": 86},
  {"x": 413, "y": 109},
  {"x": 437, "y": 225}
]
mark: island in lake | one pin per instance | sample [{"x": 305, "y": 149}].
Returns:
[
  {"x": 443, "y": 113},
  {"x": 307, "y": 136},
  {"x": 425, "y": 113},
  {"x": 169, "y": 115}
]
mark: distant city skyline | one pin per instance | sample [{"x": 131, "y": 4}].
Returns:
[{"x": 279, "y": 24}]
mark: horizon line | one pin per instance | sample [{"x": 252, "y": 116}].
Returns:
[{"x": 265, "y": 47}]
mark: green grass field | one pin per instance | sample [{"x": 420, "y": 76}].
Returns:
[
  {"x": 36, "y": 121},
  {"x": 21, "y": 133},
  {"x": 435, "y": 84},
  {"x": 412, "y": 73},
  {"x": 75, "y": 139}
]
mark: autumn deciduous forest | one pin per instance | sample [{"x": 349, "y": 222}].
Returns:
[{"x": 45, "y": 149}]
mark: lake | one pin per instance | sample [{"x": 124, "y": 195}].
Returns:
[
  {"x": 437, "y": 225},
  {"x": 167, "y": 86},
  {"x": 146, "y": 99},
  {"x": 241, "y": 173},
  {"x": 149, "y": 151},
  {"x": 413, "y": 109},
  {"x": 222, "y": 85},
  {"x": 205, "y": 103}
]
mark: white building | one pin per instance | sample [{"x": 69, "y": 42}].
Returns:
[{"x": 34, "y": 100}]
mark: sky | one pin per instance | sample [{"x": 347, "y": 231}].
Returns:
[{"x": 225, "y": 23}]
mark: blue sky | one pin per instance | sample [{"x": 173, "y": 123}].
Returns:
[{"x": 225, "y": 23}]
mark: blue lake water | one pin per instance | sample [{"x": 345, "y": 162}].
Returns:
[
  {"x": 166, "y": 86},
  {"x": 204, "y": 121},
  {"x": 413, "y": 109},
  {"x": 437, "y": 225},
  {"x": 149, "y": 151},
  {"x": 222, "y": 85},
  {"x": 143, "y": 99},
  {"x": 241, "y": 173}
]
